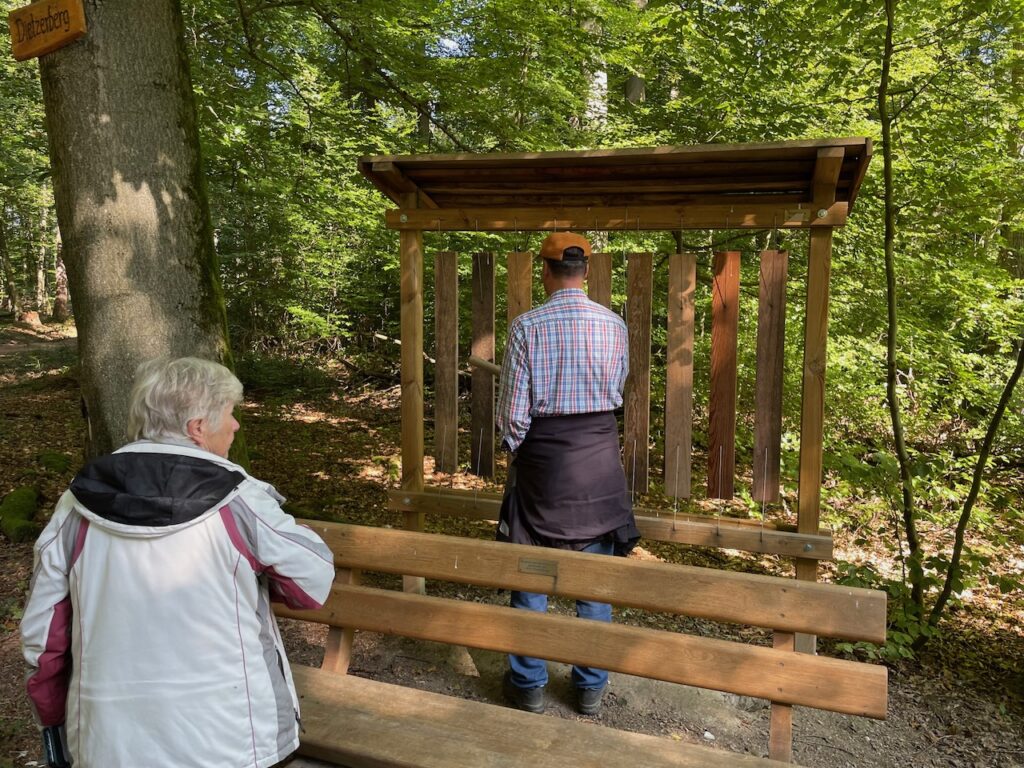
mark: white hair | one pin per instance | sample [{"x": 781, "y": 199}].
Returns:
[{"x": 168, "y": 394}]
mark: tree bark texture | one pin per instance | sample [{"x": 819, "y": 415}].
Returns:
[
  {"x": 130, "y": 200},
  {"x": 61, "y": 299}
]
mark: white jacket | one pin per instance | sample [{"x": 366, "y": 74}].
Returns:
[{"x": 148, "y": 629}]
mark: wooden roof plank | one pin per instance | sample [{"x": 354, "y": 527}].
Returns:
[{"x": 671, "y": 153}]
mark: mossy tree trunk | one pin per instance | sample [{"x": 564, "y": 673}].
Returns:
[{"x": 131, "y": 203}]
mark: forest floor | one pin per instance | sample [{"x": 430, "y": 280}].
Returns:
[{"x": 328, "y": 438}]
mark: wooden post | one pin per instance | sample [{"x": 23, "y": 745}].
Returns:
[
  {"x": 338, "y": 645},
  {"x": 780, "y": 721},
  {"x": 725, "y": 294},
  {"x": 446, "y": 370},
  {"x": 771, "y": 341},
  {"x": 812, "y": 409},
  {"x": 637, "y": 396},
  {"x": 520, "y": 283},
  {"x": 482, "y": 399},
  {"x": 599, "y": 282},
  {"x": 411, "y": 257},
  {"x": 682, "y": 280}
]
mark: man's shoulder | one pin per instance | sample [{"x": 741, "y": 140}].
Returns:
[{"x": 575, "y": 303}]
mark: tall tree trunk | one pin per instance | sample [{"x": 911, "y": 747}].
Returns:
[
  {"x": 902, "y": 455},
  {"x": 1013, "y": 252},
  {"x": 61, "y": 300},
  {"x": 132, "y": 206},
  {"x": 636, "y": 86},
  {"x": 11, "y": 302},
  {"x": 42, "y": 259}
]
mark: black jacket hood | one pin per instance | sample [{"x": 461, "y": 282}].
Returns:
[{"x": 152, "y": 489}]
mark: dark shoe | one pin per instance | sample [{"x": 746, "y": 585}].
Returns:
[
  {"x": 527, "y": 699},
  {"x": 588, "y": 700}
]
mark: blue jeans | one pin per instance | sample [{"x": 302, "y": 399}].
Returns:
[{"x": 527, "y": 672}]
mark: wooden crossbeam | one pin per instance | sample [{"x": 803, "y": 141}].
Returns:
[
  {"x": 725, "y": 596},
  {"x": 390, "y": 179},
  {"x": 696, "y": 530},
  {"x": 745, "y": 670},
  {"x": 751, "y": 216},
  {"x": 826, "y": 176}
]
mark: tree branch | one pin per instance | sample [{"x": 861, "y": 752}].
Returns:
[{"x": 972, "y": 496}]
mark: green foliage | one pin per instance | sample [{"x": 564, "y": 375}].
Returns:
[{"x": 291, "y": 95}]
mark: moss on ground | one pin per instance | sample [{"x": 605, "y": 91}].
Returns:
[{"x": 18, "y": 512}]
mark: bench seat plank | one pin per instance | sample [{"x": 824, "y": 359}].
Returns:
[
  {"x": 790, "y": 678},
  {"x": 360, "y": 723}
]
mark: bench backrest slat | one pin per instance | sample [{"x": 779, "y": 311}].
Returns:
[
  {"x": 763, "y": 601},
  {"x": 780, "y": 676}
]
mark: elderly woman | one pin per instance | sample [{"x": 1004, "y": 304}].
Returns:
[{"x": 148, "y": 628}]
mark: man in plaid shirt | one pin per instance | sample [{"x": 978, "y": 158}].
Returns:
[{"x": 562, "y": 378}]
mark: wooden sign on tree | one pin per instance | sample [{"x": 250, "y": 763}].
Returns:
[{"x": 45, "y": 26}]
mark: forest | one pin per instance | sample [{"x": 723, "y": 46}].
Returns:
[{"x": 924, "y": 423}]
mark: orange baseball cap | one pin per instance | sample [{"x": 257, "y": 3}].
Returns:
[{"x": 556, "y": 244}]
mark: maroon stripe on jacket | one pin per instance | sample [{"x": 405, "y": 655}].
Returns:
[{"x": 282, "y": 588}]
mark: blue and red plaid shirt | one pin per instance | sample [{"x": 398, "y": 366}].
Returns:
[{"x": 567, "y": 356}]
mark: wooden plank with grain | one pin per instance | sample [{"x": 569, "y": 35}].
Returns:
[
  {"x": 446, "y": 369},
  {"x": 483, "y": 386},
  {"x": 725, "y": 294},
  {"x": 771, "y": 340},
  {"x": 682, "y": 281},
  {"x": 636, "y": 401},
  {"x": 726, "y": 596}
]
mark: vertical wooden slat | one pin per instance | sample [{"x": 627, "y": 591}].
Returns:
[
  {"x": 482, "y": 400},
  {"x": 338, "y": 645},
  {"x": 771, "y": 338},
  {"x": 599, "y": 281},
  {"x": 780, "y": 723},
  {"x": 682, "y": 281},
  {"x": 520, "y": 283},
  {"x": 446, "y": 370},
  {"x": 411, "y": 296},
  {"x": 637, "y": 395},
  {"x": 725, "y": 292}
]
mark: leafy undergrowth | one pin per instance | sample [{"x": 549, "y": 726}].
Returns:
[{"x": 328, "y": 438}]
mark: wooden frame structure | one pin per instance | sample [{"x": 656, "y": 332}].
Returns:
[{"x": 808, "y": 185}]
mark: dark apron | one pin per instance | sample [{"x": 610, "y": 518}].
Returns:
[{"x": 566, "y": 488}]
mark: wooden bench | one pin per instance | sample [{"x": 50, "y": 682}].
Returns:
[{"x": 362, "y": 723}]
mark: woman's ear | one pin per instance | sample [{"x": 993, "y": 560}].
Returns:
[{"x": 196, "y": 431}]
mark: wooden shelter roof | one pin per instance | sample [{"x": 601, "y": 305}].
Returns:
[{"x": 740, "y": 176}]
